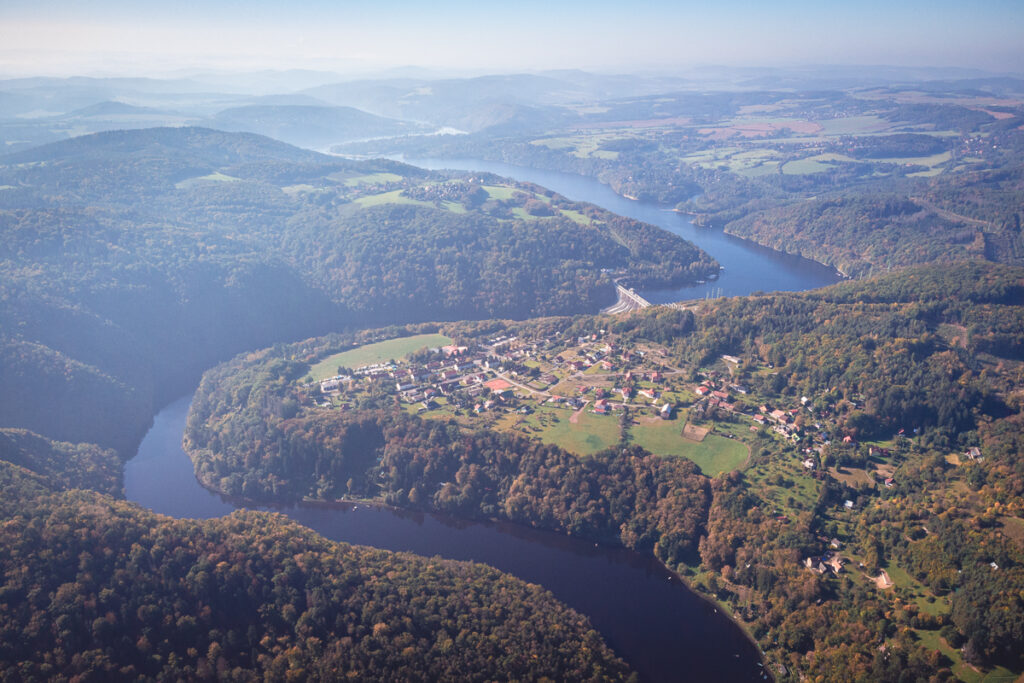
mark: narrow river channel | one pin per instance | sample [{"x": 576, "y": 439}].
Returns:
[{"x": 664, "y": 630}]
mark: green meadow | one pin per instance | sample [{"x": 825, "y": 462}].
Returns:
[{"x": 376, "y": 353}]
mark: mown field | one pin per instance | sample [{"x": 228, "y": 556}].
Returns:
[
  {"x": 376, "y": 353},
  {"x": 713, "y": 455}
]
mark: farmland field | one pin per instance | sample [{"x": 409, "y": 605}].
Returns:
[
  {"x": 375, "y": 353},
  {"x": 590, "y": 434},
  {"x": 713, "y": 455},
  {"x": 805, "y": 166},
  {"x": 393, "y": 197}
]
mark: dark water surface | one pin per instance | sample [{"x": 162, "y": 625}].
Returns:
[
  {"x": 748, "y": 267},
  {"x": 665, "y": 631}
]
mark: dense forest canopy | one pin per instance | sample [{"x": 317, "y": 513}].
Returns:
[{"x": 98, "y": 589}]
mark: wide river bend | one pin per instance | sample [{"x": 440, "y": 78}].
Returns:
[{"x": 665, "y": 631}]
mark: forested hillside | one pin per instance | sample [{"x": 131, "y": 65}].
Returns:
[
  {"x": 130, "y": 261},
  {"x": 863, "y": 180},
  {"x": 97, "y": 589}
]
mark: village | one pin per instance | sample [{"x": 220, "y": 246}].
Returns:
[{"x": 586, "y": 394}]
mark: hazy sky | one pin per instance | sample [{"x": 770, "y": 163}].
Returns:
[{"x": 135, "y": 36}]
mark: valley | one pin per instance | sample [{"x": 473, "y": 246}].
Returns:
[{"x": 815, "y": 427}]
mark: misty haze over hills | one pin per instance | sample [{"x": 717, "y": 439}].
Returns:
[{"x": 317, "y": 110}]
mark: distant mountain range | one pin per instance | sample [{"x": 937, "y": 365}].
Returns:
[{"x": 319, "y": 109}]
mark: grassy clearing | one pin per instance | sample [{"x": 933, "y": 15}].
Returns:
[
  {"x": 217, "y": 177},
  {"x": 712, "y": 455},
  {"x": 936, "y": 607},
  {"x": 929, "y": 161},
  {"x": 393, "y": 197},
  {"x": 901, "y": 578},
  {"x": 582, "y": 146},
  {"x": 783, "y": 482},
  {"x": 372, "y": 179},
  {"x": 375, "y": 353},
  {"x": 930, "y": 173},
  {"x": 852, "y": 476},
  {"x": 766, "y": 168},
  {"x": 577, "y": 217},
  {"x": 932, "y": 641},
  {"x": 520, "y": 213},
  {"x": 1013, "y": 527},
  {"x": 832, "y": 156},
  {"x": 717, "y": 454},
  {"x": 589, "y": 435},
  {"x": 499, "y": 192},
  {"x": 805, "y": 167},
  {"x": 854, "y": 125}
]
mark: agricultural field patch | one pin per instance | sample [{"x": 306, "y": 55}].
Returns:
[
  {"x": 855, "y": 125},
  {"x": 393, "y": 197},
  {"x": 589, "y": 434},
  {"x": 853, "y": 477},
  {"x": 376, "y": 353},
  {"x": 805, "y": 167},
  {"x": 713, "y": 454},
  {"x": 216, "y": 177}
]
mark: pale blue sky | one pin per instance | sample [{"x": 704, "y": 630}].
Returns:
[{"x": 139, "y": 35}]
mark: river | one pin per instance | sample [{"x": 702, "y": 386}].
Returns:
[
  {"x": 664, "y": 630},
  {"x": 749, "y": 267}
]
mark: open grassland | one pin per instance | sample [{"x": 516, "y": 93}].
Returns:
[
  {"x": 589, "y": 434},
  {"x": 782, "y": 480},
  {"x": 453, "y": 207},
  {"x": 805, "y": 167},
  {"x": 582, "y": 146},
  {"x": 577, "y": 217},
  {"x": 766, "y": 168},
  {"x": 712, "y": 455},
  {"x": 853, "y": 477},
  {"x": 499, "y": 192},
  {"x": 376, "y": 353},
  {"x": 855, "y": 125},
  {"x": 393, "y": 197},
  {"x": 216, "y": 177},
  {"x": 964, "y": 672}
]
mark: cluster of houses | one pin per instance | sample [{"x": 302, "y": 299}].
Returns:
[
  {"x": 830, "y": 560},
  {"x": 452, "y": 191},
  {"x": 486, "y": 376},
  {"x": 416, "y": 381}
]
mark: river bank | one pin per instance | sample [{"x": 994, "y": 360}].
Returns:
[
  {"x": 747, "y": 266},
  {"x": 644, "y": 611}
]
